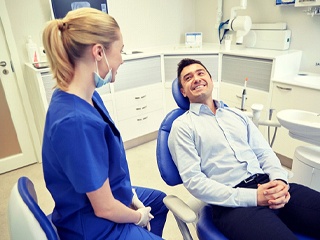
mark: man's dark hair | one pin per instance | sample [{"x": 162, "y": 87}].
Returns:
[{"x": 186, "y": 62}]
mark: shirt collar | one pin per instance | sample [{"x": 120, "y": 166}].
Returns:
[{"x": 198, "y": 107}]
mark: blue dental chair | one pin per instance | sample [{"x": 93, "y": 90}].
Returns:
[
  {"x": 26, "y": 219},
  {"x": 183, "y": 214}
]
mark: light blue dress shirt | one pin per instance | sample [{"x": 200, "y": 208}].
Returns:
[{"x": 215, "y": 152}]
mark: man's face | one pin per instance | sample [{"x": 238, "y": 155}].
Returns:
[{"x": 196, "y": 84}]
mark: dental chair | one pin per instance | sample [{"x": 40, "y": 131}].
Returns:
[
  {"x": 26, "y": 219},
  {"x": 195, "y": 212}
]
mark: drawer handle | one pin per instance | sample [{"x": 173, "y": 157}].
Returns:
[
  {"x": 141, "y": 97},
  {"x": 284, "y": 88},
  {"x": 141, "y": 119},
  {"x": 241, "y": 97},
  {"x": 141, "y": 108}
]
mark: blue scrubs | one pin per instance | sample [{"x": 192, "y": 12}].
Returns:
[{"x": 81, "y": 149}]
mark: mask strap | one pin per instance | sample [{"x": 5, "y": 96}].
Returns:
[
  {"x": 105, "y": 57},
  {"x": 97, "y": 67}
]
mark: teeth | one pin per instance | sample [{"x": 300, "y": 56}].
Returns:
[{"x": 197, "y": 87}]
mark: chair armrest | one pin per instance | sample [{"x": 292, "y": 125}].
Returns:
[{"x": 180, "y": 209}]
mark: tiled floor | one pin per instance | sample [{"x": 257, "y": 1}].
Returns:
[{"x": 144, "y": 172}]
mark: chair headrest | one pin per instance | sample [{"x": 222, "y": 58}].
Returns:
[{"x": 182, "y": 102}]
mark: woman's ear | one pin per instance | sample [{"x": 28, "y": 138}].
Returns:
[{"x": 97, "y": 51}]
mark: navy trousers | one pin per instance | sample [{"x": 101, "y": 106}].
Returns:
[
  {"x": 301, "y": 215},
  {"x": 154, "y": 199}
]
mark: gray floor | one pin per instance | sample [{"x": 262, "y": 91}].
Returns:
[{"x": 144, "y": 172}]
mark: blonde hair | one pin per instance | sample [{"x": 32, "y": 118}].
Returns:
[{"x": 65, "y": 40}]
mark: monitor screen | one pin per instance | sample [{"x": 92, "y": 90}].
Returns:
[{"x": 61, "y": 7}]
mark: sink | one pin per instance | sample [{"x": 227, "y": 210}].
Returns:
[
  {"x": 302, "y": 125},
  {"x": 308, "y": 79}
]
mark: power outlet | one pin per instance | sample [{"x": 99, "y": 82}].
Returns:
[
  {"x": 42, "y": 52},
  {"x": 43, "y": 56}
]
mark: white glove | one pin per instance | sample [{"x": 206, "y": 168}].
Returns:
[
  {"x": 145, "y": 217},
  {"x": 136, "y": 205}
]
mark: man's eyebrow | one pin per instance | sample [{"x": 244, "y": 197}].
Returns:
[{"x": 196, "y": 71}]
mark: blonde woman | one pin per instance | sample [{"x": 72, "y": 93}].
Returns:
[{"x": 84, "y": 161}]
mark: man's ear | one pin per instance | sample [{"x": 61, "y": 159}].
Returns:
[{"x": 183, "y": 92}]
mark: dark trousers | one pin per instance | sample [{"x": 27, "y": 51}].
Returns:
[
  {"x": 154, "y": 199},
  {"x": 300, "y": 215}
]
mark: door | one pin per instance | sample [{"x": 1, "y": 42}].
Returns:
[{"x": 16, "y": 147}]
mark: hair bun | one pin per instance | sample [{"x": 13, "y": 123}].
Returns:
[{"x": 61, "y": 25}]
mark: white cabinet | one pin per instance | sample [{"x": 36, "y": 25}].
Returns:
[
  {"x": 40, "y": 86},
  {"x": 286, "y": 96},
  {"x": 139, "y": 97},
  {"x": 235, "y": 70},
  {"x": 259, "y": 67},
  {"x": 107, "y": 98},
  {"x": 210, "y": 61},
  {"x": 139, "y": 110}
]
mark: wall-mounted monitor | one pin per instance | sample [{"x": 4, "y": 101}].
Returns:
[
  {"x": 59, "y": 8},
  {"x": 284, "y": 2}
]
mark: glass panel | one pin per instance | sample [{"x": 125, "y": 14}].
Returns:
[{"x": 9, "y": 144}]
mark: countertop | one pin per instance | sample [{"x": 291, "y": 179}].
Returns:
[
  {"x": 302, "y": 79},
  {"x": 207, "y": 48}
]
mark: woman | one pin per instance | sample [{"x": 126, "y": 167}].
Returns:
[{"x": 84, "y": 161}]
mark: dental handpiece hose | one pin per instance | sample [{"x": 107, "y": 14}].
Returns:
[{"x": 244, "y": 95}]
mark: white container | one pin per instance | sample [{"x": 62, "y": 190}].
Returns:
[{"x": 33, "y": 52}]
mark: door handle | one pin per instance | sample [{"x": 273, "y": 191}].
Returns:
[{"x": 3, "y": 64}]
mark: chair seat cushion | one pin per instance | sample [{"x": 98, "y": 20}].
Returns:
[{"x": 205, "y": 227}]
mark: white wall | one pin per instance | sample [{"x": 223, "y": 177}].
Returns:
[
  {"x": 144, "y": 23},
  {"x": 305, "y": 29},
  {"x": 148, "y": 23}
]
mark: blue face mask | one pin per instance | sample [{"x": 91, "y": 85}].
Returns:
[{"x": 99, "y": 81}]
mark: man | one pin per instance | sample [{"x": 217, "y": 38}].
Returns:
[{"x": 224, "y": 161}]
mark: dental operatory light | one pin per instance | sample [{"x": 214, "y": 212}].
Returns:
[{"x": 241, "y": 25}]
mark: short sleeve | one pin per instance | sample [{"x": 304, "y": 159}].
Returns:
[{"x": 82, "y": 152}]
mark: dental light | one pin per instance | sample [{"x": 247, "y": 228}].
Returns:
[{"x": 239, "y": 24}]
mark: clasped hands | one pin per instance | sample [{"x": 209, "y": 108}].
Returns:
[
  {"x": 274, "y": 194},
  {"x": 146, "y": 216}
]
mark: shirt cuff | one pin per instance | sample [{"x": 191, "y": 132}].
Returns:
[{"x": 248, "y": 197}]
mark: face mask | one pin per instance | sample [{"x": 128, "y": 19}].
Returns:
[{"x": 99, "y": 81}]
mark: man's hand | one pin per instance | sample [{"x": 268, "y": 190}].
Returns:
[{"x": 273, "y": 194}]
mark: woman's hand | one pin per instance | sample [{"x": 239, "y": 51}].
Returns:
[{"x": 145, "y": 217}]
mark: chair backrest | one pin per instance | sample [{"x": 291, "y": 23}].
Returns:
[
  {"x": 182, "y": 102},
  {"x": 26, "y": 219},
  {"x": 167, "y": 168}
]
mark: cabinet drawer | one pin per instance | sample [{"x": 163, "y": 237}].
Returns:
[
  {"x": 139, "y": 110},
  {"x": 138, "y": 97},
  {"x": 286, "y": 96},
  {"x": 139, "y": 126}
]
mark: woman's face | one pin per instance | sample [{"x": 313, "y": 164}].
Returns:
[{"x": 114, "y": 56}]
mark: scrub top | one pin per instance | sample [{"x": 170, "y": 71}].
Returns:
[{"x": 81, "y": 149}]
